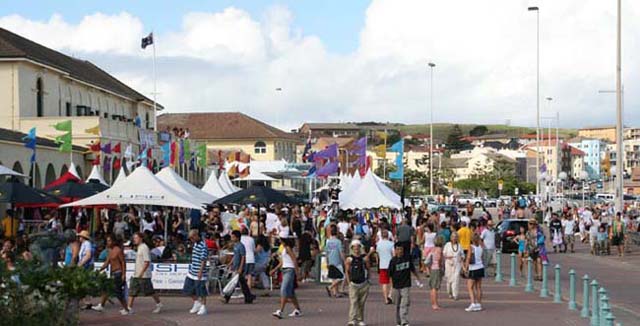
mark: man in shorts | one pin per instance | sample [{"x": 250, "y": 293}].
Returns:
[
  {"x": 115, "y": 262},
  {"x": 385, "y": 251},
  {"x": 141, "y": 281},
  {"x": 569, "y": 225},
  {"x": 195, "y": 284}
]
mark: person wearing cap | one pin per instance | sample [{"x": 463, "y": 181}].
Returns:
[{"x": 357, "y": 275}]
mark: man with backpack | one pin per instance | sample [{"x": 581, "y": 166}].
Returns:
[{"x": 357, "y": 273}]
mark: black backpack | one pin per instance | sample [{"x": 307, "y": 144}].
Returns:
[{"x": 358, "y": 271}]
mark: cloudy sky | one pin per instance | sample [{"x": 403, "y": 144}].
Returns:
[{"x": 354, "y": 60}]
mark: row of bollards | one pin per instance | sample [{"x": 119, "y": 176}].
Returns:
[{"x": 600, "y": 313}]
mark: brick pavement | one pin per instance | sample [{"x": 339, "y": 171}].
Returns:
[{"x": 503, "y": 306}]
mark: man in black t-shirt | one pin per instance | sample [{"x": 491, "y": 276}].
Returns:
[
  {"x": 555, "y": 226},
  {"x": 400, "y": 269}
]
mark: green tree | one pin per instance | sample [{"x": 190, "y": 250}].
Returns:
[
  {"x": 454, "y": 140},
  {"x": 478, "y": 131}
]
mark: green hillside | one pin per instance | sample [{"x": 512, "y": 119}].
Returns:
[{"x": 441, "y": 130}]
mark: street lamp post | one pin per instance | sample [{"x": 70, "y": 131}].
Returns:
[
  {"x": 619, "y": 125},
  {"x": 431, "y": 65},
  {"x": 537, "y": 10}
]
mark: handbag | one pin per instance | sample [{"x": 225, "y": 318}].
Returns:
[{"x": 231, "y": 285}]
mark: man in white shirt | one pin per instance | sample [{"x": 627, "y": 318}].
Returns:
[
  {"x": 343, "y": 227},
  {"x": 250, "y": 260},
  {"x": 272, "y": 222},
  {"x": 384, "y": 249},
  {"x": 488, "y": 237},
  {"x": 568, "y": 225},
  {"x": 593, "y": 234}
]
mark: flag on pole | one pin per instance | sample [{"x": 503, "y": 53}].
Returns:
[
  {"x": 187, "y": 150},
  {"x": 30, "y": 142},
  {"x": 65, "y": 142},
  {"x": 63, "y": 126},
  {"x": 107, "y": 165},
  {"x": 106, "y": 148},
  {"x": 307, "y": 148},
  {"x": 146, "y": 41},
  {"x": 128, "y": 152},
  {"x": 96, "y": 161},
  {"x": 166, "y": 154},
  {"x": 381, "y": 151},
  {"x": 117, "y": 164},
  {"x": 181, "y": 152},
  {"x": 95, "y": 147},
  {"x": 174, "y": 156},
  {"x": 117, "y": 149},
  {"x": 382, "y": 135},
  {"x": 398, "y": 148},
  {"x": 94, "y": 131},
  {"x": 202, "y": 155}
]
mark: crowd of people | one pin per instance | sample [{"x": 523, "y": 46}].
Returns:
[{"x": 279, "y": 245}]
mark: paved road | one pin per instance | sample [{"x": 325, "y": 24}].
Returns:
[{"x": 503, "y": 306}]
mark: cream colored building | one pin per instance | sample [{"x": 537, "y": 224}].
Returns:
[
  {"x": 40, "y": 87},
  {"x": 601, "y": 132}
]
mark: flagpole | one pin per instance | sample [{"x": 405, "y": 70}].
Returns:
[
  {"x": 384, "y": 158},
  {"x": 155, "y": 127}
]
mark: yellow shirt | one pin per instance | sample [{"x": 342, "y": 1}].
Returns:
[
  {"x": 464, "y": 236},
  {"x": 6, "y": 226}
]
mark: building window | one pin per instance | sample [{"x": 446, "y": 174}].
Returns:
[
  {"x": 39, "y": 94},
  {"x": 260, "y": 147},
  {"x": 67, "y": 109}
]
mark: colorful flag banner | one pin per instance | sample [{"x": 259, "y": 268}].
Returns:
[
  {"x": 117, "y": 164},
  {"x": 65, "y": 142},
  {"x": 202, "y": 155},
  {"x": 30, "y": 142},
  {"x": 106, "y": 148},
  {"x": 181, "y": 152},
  {"x": 187, "y": 150},
  {"x": 174, "y": 156},
  {"x": 166, "y": 154},
  {"x": 117, "y": 149},
  {"x": 398, "y": 148},
  {"x": 63, "y": 126},
  {"x": 381, "y": 151},
  {"x": 93, "y": 131}
]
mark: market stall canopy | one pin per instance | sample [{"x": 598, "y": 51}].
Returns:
[
  {"x": 226, "y": 184},
  {"x": 96, "y": 175},
  {"x": 96, "y": 185},
  {"x": 73, "y": 170},
  {"x": 72, "y": 190},
  {"x": 7, "y": 171},
  {"x": 68, "y": 176},
  {"x": 121, "y": 176},
  {"x": 287, "y": 189},
  {"x": 141, "y": 187},
  {"x": 17, "y": 193},
  {"x": 368, "y": 194},
  {"x": 213, "y": 187},
  {"x": 256, "y": 195},
  {"x": 256, "y": 176},
  {"x": 169, "y": 177}
]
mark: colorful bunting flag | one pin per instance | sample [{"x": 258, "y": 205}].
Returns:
[
  {"x": 202, "y": 155},
  {"x": 398, "y": 148},
  {"x": 117, "y": 149},
  {"x": 166, "y": 154},
  {"x": 181, "y": 152},
  {"x": 65, "y": 142},
  {"x": 381, "y": 151},
  {"x": 30, "y": 143},
  {"x": 106, "y": 148},
  {"x": 63, "y": 126},
  {"x": 93, "y": 131}
]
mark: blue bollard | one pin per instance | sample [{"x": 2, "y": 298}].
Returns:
[
  {"x": 605, "y": 310},
  {"x": 557, "y": 296},
  {"x": 499, "y": 266},
  {"x": 595, "y": 307},
  {"x": 604, "y": 304},
  {"x": 584, "y": 313},
  {"x": 529, "y": 286},
  {"x": 544, "y": 289},
  {"x": 602, "y": 293},
  {"x": 572, "y": 290},
  {"x": 512, "y": 279}
]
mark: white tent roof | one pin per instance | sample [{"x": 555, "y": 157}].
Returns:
[
  {"x": 7, "y": 171},
  {"x": 380, "y": 179},
  {"x": 352, "y": 184},
  {"x": 141, "y": 187},
  {"x": 121, "y": 176},
  {"x": 213, "y": 187},
  {"x": 256, "y": 176},
  {"x": 73, "y": 170},
  {"x": 96, "y": 175},
  {"x": 177, "y": 183},
  {"x": 368, "y": 195},
  {"x": 226, "y": 184}
]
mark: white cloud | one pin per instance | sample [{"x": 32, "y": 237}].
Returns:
[{"x": 484, "y": 51}]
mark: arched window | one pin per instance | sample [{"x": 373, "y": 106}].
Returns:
[
  {"x": 260, "y": 147},
  {"x": 50, "y": 174},
  {"x": 39, "y": 94}
]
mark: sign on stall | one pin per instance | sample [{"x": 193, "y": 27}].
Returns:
[{"x": 165, "y": 276}]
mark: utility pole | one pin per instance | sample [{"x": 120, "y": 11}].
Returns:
[{"x": 619, "y": 124}]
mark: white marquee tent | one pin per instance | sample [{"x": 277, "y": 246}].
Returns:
[
  {"x": 213, "y": 187},
  {"x": 172, "y": 179},
  {"x": 141, "y": 187},
  {"x": 7, "y": 171},
  {"x": 226, "y": 184},
  {"x": 96, "y": 175},
  {"x": 121, "y": 176},
  {"x": 368, "y": 193}
]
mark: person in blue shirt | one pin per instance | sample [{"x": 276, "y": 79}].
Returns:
[
  {"x": 262, "y": 261},
  {"x": 237, "y": 266}
]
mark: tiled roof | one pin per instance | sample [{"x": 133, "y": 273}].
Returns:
[
  {"x": 16, "y": 46},
  {"x": 222, "y": 125},
  {"x": 16, "y": 137},
  {"x": 332, "y": 126}
]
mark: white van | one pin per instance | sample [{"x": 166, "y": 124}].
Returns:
[{"x": 605, "y": 196}]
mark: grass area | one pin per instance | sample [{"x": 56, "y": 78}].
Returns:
[{"x": 441, "y": 130}]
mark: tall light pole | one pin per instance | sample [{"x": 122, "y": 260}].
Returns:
[
  {"x": 537, "y": 10},
  {"x": 431, "y": 65},
  {"x": 619, "y": 125}
]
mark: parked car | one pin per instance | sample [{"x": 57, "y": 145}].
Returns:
[
  {"x": 465, "y": 199},
  {"x": 507, "y": 230},
  {"x": 491, "y": 202}
]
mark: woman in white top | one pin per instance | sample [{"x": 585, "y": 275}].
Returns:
[
  {"x": 452, "y": 254},
  {"x": 475, "y": 269},
  {"x": 429, "y": 242},
  {"x": 289, "y": 271}
]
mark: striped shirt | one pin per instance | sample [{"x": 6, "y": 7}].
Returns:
[{"x": 198, "y": 255}]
